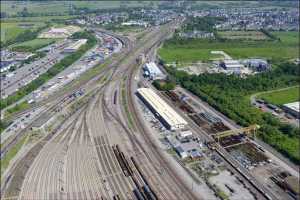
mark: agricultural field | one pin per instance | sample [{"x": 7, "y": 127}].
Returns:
[
  {"x": 10, "y": 30},
  {"x": 243, "y": 35},
  {"x": 63, "y": 7},
  {"x": 194, "y": 50},
  {"x": 281, "y": 97},
  {"x": 38, "y": 19},
  {"x": 13, "y": 7},
  {"x": 32, "y": 45},
  {"x": 185, "y": 55},
  {"x": 291, "y": 37}
]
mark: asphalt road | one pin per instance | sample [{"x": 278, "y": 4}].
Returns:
[{"x": 24, "y": 75}]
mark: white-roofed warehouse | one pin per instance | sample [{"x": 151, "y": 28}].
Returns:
[
  {"x": 75, "y": 46},
  {"x": 292, "y": 108},
  {"x": 167, "y": 115},
  {"x": 153, "y": 71}
]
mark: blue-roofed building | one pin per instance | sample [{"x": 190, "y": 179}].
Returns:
[
  {"x": 179, "y": 150},
  {"x": 257, "y": 64},
  {"x": 152, "y": 71}
]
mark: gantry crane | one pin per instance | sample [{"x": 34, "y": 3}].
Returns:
[{"x": 250, "y": 130}]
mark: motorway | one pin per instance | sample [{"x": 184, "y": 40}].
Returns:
[
  {"x": 79, "y": 161},
  {"x": 24, "y": 75}
]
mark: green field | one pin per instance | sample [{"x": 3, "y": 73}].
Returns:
[
  {"x": 198, "y": 49},
  {"x": 32, "y": 45},
  {"x": 185, "y": 54},
  {"x": 291, "y": 37},
  {"x": 10, "y": 30},
  {"x": 281, "y": 97},
  {"x": 38, "y": 19},
  {"x": 63, "y": 7},
  {"x": 247, "y": 35}
]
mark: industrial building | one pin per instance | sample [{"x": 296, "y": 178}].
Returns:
[
  {"x": 167, "y": 115},
  {"x": 256, "y": 64},
  {"x": 152, "y": 71},
  {"x": 185, "y": 149},
  {"x": 231, "y": 65},
  {"x": 292, "y": 108},
  {"x": 184, "y": 135},
  {"x": 135, "y": 23},
  {"x": 75, "y": 46}
]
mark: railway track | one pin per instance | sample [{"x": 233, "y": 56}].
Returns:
[
  {"x": 137, "y": 145},
  {"x": 59, "y": 99},
  {"x": 81, "y": 157},
  {"x": 34, "y": 178},
  {"x": 105, "y": 154},
  {"x": 139, "y": 127}
]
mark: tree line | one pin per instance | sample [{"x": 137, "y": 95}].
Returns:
[{"x": 230, "y": 95}]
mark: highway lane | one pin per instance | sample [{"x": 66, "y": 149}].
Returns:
[{"x": 29, "y": 72}]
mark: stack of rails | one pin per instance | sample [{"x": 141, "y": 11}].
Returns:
[
  {"x": 181, "y": 104},
  {"x": 253, "y": 153},
  {"x": 220, "y": 127},
  {"x": 231, "y": 140},
  {"x": 206, "y": 121},
  {"x": 187, "y": 108},
  {"x": 202, "y": 123},
  {"x": 173, "y": 96}
]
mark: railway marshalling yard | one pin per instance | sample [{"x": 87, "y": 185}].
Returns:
[{"x": 107, "y": 144}]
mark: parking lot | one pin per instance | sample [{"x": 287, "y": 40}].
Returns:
[{"x": 277, "y": 112}]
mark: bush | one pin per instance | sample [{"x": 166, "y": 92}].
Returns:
[{"x": 164, "y": 85}]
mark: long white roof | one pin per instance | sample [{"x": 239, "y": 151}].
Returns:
[
  {"x": 294, "y": 106},
  {"x": 161, "y": 107},
  {"x": 152, "y": 68},
  {"x": 77, "y": 44}
]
